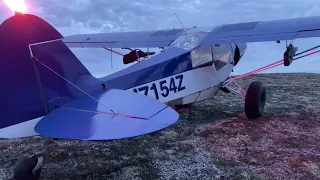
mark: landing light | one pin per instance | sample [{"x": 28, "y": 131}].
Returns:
[{"x": 17, "y": 6}]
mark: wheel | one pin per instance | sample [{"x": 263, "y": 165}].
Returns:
[
  {"x": 29, "y": 168},
  {"x": 255, "y": 100}
]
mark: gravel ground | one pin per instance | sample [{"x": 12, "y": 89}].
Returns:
[{"x": 212, "y": 140}]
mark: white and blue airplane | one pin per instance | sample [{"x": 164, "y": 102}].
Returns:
[{"x": 43, "y": 78}]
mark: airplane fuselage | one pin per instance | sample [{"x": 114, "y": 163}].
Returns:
[{"x": 187, "y": 77}]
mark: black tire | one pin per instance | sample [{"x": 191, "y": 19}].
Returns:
[
  {"x": 24, "y": 168},
  {"x": 255, "y": 100}
]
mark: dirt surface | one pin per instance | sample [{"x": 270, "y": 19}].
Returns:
[{"x": 212, "y": 140}]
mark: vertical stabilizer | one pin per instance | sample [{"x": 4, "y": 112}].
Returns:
[{"x": 22, "y": 96}]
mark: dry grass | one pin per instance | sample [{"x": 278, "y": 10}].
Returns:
[{"x": 212, "y": 140}]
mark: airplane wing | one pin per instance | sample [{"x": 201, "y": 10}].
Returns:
[
  {"x": 86, "y": 119},
  {"x": 138, "y": 39},
  {"x": 259, "y": 31},
  {"x": 285, "y": 29}
]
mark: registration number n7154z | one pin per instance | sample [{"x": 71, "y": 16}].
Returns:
[{"x": 163, "y": 88}]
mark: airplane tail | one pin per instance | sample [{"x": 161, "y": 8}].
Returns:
[
  {"x": 30, "y": 89},
  {"x": 42, "y": 77}
]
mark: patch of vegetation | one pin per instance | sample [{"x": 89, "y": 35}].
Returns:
[{"x": 234, "y": 171}]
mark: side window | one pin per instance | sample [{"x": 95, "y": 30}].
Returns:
[
  {"x": 222, "y": 54},
  {"x": 201, "y": 55}
]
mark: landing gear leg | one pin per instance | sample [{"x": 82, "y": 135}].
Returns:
[{"x": 255, "y": 97}]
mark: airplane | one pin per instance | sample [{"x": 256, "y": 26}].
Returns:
[{"x": 43, "y": 78}]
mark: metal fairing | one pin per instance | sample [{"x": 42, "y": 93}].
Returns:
[{"x": 242, "y": 48}]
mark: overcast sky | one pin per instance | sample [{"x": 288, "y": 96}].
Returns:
[{"x": 92, "y": 16}]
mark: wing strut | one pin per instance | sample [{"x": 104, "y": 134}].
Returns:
[
  {"x": 278, "y": 63},
  {"x": 114, "y": 51},
  {"x": 286, "y": 61}
]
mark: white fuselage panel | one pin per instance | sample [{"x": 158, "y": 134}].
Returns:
[{"x": 184, "y": 84}]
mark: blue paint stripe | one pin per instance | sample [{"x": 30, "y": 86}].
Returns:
[
  {"x": 168, "y": 63},
  {"x": 155, "y": 71}
]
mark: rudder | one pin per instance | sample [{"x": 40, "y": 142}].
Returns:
[{"x": 21, "y": 93}]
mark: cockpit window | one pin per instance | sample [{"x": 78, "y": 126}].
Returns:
[
  {"x": 222, "y": 54},
  {"x": 201, "y": 55},
  {"x": 191, "y": 38}
]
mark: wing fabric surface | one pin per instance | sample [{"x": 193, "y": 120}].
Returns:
[
  {"x": 285, "y": 29},
  {"x": 139, "y": 39},
  {"x": 259, "y": 31},
  {"x": 86, "y": 119}
]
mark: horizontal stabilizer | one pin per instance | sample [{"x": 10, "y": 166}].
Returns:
[{"x": 87, "y": 119}]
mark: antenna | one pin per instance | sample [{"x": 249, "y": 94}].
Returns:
[
  {"x": 111, "y": 58},
  {"x": 184, "y": 29}
]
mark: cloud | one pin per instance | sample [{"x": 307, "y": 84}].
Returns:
[{"x": 85, "y": 16}]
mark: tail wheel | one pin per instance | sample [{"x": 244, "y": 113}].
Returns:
[{"x": 255, "y": 100}]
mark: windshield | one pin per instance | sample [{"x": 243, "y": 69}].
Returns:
[{"x": 191, "y": 38}]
